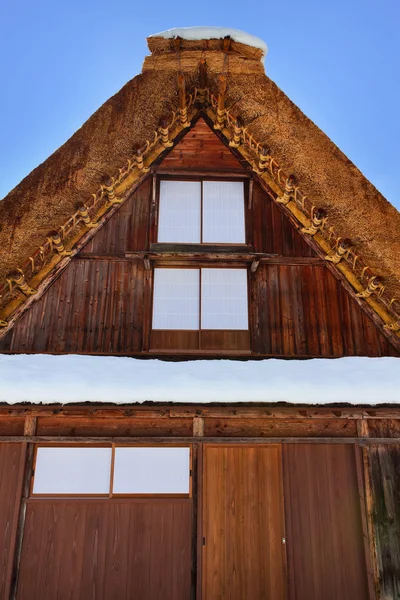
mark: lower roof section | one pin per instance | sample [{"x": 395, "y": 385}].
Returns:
[{"x": 66, "y": 379}]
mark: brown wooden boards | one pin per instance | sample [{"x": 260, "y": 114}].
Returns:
[
  {"x": 243, "y": 529},
  {"x": 93, "y": 549},
  {"x": 325, "y": 542},
  {"x": 12, "y": 460},
  {"x": 385, "y": 481},
  {"x": 201, "y": 149}
]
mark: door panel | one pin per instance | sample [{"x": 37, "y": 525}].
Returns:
[
  {"x": 106, "y": 550},
  {"x": 325, "y": 544},
  {"x": 243, "y": 525}
]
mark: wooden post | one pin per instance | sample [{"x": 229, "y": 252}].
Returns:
[
  {"x": 288, "y": 191},
  {"x": 84, "y": 215},
  {"x": 19, "y": 279},
  {"x": 58, "y": 244},
  {"x": 164, "y": 133},
  {"x": 198, "y": 426},
  {"x": 202, "y": 82},
  {"x": 369, "y": 501},
  {"x": 362, "y": 428},
  {"x": 221, "y": 112},
  {"x": 237, "y": 134},
  {"x": 29, "y": 430},
  {"x": 183, "y": 113}
]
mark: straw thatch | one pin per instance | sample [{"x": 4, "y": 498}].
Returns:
[{"x": 48, "y": 196}]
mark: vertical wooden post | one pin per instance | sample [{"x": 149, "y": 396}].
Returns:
[
  {"x": 183, "y": 113},
  {"x": 221, "y": 112},
  {"x": 198, "y": 426},
  {"x": 362, "y": 428},
  {"x": 29, "y": 430},
  {"x": 369, "y": 502},
  {"x": 202, "y": 82}
]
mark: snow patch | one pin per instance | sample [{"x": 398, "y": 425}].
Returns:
[
  {"x": 64, "y": 379},
  {"x": 214, "y": 33}
]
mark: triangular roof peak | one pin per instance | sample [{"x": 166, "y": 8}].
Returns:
[{"x": 317, "y": 186}]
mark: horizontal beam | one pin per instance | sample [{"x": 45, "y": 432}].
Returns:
[
  {"x": 194, "y": 440},
  {"x": 204, "y": 257},
  {"x": 196, "y": 410}
]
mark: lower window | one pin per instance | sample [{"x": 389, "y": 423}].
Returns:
[
  {"x": 200, "y": 309},
  {"x": 112, "y": 471}
]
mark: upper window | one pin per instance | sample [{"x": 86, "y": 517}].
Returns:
[{"x": 201, "y": 212}]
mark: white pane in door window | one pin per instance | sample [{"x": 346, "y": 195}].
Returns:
[
  {"x": 223, "y": 212},
  {"x": 72, "y": 471},
  {"x": 179, "y": 215},
  {"x": 224, "y": 299},
  {"x": 176, "y": 299},
  {"x": 151, "y": 471}
]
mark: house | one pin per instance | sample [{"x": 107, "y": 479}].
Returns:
[{"x": 200, "y": 341}]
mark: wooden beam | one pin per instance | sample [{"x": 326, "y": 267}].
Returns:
[
  {"x": 96, "y": 410},
  {"x": 41, "y": 439}
]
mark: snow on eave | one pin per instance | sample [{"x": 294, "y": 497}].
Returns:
[
  {"x": 65, "y": 379},
  {"x": 214, "y": 33}
]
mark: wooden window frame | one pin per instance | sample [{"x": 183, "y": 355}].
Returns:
[
  {"x": 202, "y": 246},
  {"x": 201, "y": 350},
  {"x": 110, "y": 495}
]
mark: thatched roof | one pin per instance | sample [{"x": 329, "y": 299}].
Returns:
[{"x": 48, "y": 196}]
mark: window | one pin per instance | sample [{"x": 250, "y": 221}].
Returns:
[
  {"x": 194, "y": 299},
  {"x": 200, "y": 309},
  {"x": 201, "y": 212},
  {"x": 111, "y": 471}
]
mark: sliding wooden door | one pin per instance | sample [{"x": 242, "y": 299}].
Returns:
[{"x": 243, "y": 524}]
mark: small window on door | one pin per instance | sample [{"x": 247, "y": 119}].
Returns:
[
  {"x": 197, "y": 309},
  {"x": 201, "y": 212}
]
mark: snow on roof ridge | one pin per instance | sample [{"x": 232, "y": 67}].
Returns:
[
  {"x": 46, "y": 379},
  {"x": 214, "y": 33}
]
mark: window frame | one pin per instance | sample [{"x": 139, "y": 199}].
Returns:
[
  {"x": 110, "y": 495},
  {"x": 201, "y": 179},
  {"x": 242, "y": 343}
]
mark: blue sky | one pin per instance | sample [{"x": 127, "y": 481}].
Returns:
[{"x": 338, "y": 61}]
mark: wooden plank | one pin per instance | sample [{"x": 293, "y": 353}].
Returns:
[
  {"x": 384, "y": 508},
  {"x": 105, "y": 549},
  {"x": 324, "y": 529},
  {"x": 243, "y": 552},
  {"x": 12, "y": 460}
]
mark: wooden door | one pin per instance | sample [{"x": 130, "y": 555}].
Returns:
[
  {"x": 243, "y": 524},
  {"x": 325, "y": 538}
]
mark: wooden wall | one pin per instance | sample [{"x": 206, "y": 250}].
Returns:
[
  {"x": 12, "y": 462},
  {"x": 102, "y": 550},
  {"x": 384, "y": 466},
  {"x": 102, "y": 301}
]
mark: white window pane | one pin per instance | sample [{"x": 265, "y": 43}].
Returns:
[
  {"x": 72, "y": 471},
  {"x": 223, "y": 212},
  {"x": 224, "y": 299},
  {"x": 176, "y": 299},
  {"x": 179, "y": 215},
  {"x": 151, "y": 471}
]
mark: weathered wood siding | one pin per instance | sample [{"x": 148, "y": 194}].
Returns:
[
  {"x": 384, "y": 464},
  {"x": 325, "y": 543},
  {"x": 12, "y": 462},
  {"x": 106, "y": 549},
  {"x": 303, "y": 310},
  {"x": 201, "y": 149},
  {"x": 102, "y": 302}
]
